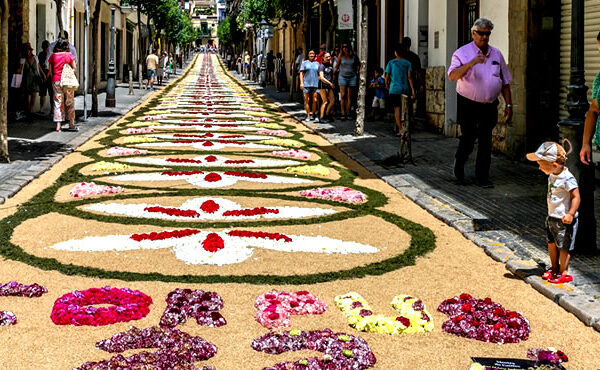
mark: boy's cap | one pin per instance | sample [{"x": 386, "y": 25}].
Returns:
[{"x": 549, "y": 152}]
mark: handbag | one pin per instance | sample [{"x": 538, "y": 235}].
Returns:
[
  {"x": 68, "y": 80},
  {"x": 17, "y": 79}
]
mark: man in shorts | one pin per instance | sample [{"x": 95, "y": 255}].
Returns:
[{"x": 152, "y": 65}]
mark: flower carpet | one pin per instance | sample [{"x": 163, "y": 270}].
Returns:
[{"x": 206, "y": 229}]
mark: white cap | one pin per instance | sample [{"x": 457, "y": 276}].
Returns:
[{"x": 550, "y": 152}]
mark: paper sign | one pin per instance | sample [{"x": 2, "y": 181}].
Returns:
[
  {"x": 345, "y": 15},
  {"x": 506, "y": 363}
]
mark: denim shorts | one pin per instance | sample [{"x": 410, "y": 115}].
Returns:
[
  {"x": 151, "y": 73},
  {"x": 560, "y": 234},
  {"x": 347, "y": 81},
  {"x": 308, "y": 90}
]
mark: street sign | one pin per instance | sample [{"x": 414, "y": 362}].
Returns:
[{"x": 345, "y": 15}]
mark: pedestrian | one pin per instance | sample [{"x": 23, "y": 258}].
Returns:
[
  {"x": 398, "y": 81},
  {"x": 563, "y": 202},
  {"x": 63, "y": 36},
  {"x": 160, "y": 71},
  {"x": 32, "y": 76},
  {"x": 279, "y": 72},
  {"x": 247, "y": 65},
  {"x": 309, "y": 84},
  {"x": 64, "y": 99},
  {"x": 592, "y": 126},
  {"x": 348, "y": 68},
  {"x": 296, "y": 68},
  {"x": 270, "y": 67},
  {"x": 46, "y": 83},
  {"x": 378, "y": 85},
  {"x": 326, "y": 87},
  {"x": 152, "y": 65},
  {"x": 417, "y": 74},
  {"x": 322, "y": 51},
  {"x": 481, "y": 74}
]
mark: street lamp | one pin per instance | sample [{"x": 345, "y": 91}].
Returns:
[
  {"x": 264, "y": 26},
  {"x": 110, "y": 83}
]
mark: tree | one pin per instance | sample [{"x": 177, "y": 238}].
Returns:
[
  {"x": 96, "y": 61},
  {"x": 59, "y": 8},
  {"x": 4, "y": 11},
  {"x": 362, "y": 85}
]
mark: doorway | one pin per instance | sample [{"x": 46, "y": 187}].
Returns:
[
  {"x": 40, "y": 34},
  {"x": 468, "y": 12}
]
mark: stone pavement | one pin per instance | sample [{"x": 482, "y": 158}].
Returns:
[
  {"x": 507, "y": 221},
  {"x": 34, "y": 146}
]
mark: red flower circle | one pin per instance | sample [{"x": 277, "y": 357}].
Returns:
[{"x": 212, "y": 177}]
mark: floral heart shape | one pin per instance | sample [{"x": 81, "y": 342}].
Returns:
[{"x": 484, "y": 320}]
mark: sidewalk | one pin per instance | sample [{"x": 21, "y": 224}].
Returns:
[
  {"x": 506, "y": 221},
  {"x": 34, "y": 146}
]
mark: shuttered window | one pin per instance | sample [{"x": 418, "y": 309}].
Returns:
[{"x": 591, "y": 53}]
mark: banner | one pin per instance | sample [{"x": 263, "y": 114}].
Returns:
[{"x": 345, "y": 15}]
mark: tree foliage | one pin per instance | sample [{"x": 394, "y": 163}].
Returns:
[{"x": 228, "y": 32}]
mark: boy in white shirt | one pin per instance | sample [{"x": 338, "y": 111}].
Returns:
[{"x": 563, "y": 202}]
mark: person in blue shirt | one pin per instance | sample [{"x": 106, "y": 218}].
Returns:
[
  {"x": 378, "y": 84},
  {"x": 309, "y": 83},
  {"x": 399, "y": 82}
]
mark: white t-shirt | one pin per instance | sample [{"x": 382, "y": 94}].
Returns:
[{"x": 559, "y": 198}]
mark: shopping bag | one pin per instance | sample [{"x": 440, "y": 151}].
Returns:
[
  {"x": 68, "y": 80},
  {"x": 16, "y": 80}
]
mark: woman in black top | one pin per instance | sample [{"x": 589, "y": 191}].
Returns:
[{"x": 326, "y": 88}]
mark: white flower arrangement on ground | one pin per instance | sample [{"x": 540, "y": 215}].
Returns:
[
  {"x": 194, "y": 210},
  {"x": 213, "y": 161},
  {"x": 203, "y": 145},
  {"x": 234, "y": 246},
  {"x": 207, "y": 180}
]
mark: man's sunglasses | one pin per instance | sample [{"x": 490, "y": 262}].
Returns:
[{"x": 483, "y": 33}]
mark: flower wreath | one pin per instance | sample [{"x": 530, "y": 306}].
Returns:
[
  {"x": 413, "y": 317},
  {"x": 76, "y": 308},
  {"x": 484, "y": 320}
]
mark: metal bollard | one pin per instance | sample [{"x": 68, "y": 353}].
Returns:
[
  {"x": 130, "y": 82},
  {"x": 140, "y": 75}
]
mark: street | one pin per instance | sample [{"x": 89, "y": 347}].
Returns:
[{"x": 220, "y": 226}]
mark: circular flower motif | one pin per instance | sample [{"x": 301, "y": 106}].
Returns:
[{"x": 212, "y": 177}]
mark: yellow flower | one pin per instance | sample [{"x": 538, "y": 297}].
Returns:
[
  {"x": 153, "y": 112},
  {"x": 318, "y": 170},
  {"x": 139, "y": 139},
  {"x": 273, "y": 126},
  {"x": 282, "y": 142},
  {"x": 144, "y": 124},
  {"x": 109, "y": 166}
]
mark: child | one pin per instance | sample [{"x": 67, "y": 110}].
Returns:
[
  {"x": 378, "y": 83},
  {"x": 563, "y": 202}
]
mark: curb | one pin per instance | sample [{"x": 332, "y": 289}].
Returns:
[{"x": 468, "y": 221}]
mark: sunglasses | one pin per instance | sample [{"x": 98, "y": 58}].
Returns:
[{"x": 483, "y": 33}]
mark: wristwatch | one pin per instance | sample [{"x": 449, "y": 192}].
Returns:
[{"x": 508, "y": 105}]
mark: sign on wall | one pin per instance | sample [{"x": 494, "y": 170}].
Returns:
[{"x": 345, "y": 15}]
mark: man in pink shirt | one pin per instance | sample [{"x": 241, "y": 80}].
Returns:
[{"x": 481, "y": 74}]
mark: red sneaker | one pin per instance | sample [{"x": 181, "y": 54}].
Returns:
[
  {"x": 548, "y": 275},
  {"x": 562, "y": 279}
]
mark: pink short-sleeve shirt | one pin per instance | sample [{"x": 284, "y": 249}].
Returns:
[
  {"x": 58, "y": 62},
  {"x": 483, "y": 82}
]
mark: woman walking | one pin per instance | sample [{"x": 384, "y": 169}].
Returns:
[
  {"x": 309, "y": 83},
  {"x": 32, "y": 76},
  {"x": 348, "y": 67},
  {"x": 326, "y": 88},
  {"x": 64, "y": 99},
  {"x": 399, "y": 82}
]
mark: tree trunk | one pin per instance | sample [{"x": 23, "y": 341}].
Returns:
[
  {"x": 4, "y": 11},
  {"x": 140, "y": 44},
  {"x": 150, "y": 41},
  {"x": 331, "y": 28},
  {"x": 59, "y": 4},
  {"x": 306, "y": 12},
  {"x": 96, "y": 62},
  {"x": 294, "y": 67},
  {"x": 362, "y": 84}
]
